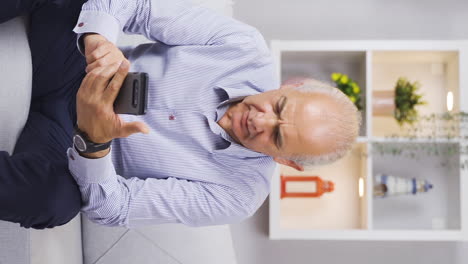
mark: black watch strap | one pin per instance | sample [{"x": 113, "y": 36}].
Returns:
[{"x": 83, "y": 144}]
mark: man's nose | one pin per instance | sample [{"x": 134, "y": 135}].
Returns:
[{"x": 264, "y": 122}]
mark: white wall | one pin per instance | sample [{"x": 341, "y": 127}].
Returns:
[
  {"x": 253, "y": 247},
  {"x": 348, "y": 19},
  {"x": 356, "y": 19}
]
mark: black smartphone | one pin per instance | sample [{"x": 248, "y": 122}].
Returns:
[{"x": 133, "y": 95}]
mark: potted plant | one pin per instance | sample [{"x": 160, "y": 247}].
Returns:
[
  {"x": 348, "y": 87},
  {"x": 401, "y": 103},
  {"x": 406, "y": 99}
]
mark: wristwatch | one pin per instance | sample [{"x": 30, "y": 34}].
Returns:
[{"x": 84, "y": 145}]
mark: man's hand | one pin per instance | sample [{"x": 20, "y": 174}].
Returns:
[
  {"x": 100, "y": 52},
  {"x": 94, "y": 105}
]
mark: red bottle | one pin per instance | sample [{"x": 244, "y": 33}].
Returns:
[{"x": 300, "y": 186}]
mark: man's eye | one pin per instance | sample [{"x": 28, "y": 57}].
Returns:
[
  {"x": 276, "y": 136},
  {"x": 277, "y": 109},
  {"x": 278, "y": 105}
]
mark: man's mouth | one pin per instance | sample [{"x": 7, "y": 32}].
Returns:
[{"x": 245, "y": 124}]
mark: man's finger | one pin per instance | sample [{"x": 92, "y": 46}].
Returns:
[
  {"x": 87, "y": 85},
  {"x": 98, "y": 53},
  {"x": 99, "y": 63},
  {"x": 108, "y": 59},
  {"x": 105, "y": 76},
  {"x": 113, "y": 88},
  {"x": 132, "y": 128}
]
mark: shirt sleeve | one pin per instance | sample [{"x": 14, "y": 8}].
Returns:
[
  {"x": 109, "y": 199},
  {"x": 173, "y": 22}
]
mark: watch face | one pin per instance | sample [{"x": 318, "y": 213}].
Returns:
[{"x": 79, "y": 143}]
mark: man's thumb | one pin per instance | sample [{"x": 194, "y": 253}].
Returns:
[{"x": 134, "y": 127}]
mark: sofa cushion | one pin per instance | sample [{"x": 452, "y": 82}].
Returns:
[
  {"x": 16, "y": 79},
  {"x": 19, "y": 245},
  {"x": 15, "y": 93},
  {"x": 168, "y": 243},
  {"x": 58, "y": 245},
  {"x": 14, "y": 243}
]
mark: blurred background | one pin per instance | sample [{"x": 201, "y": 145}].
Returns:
[
  {"x": 347, "y": 20},
  {"x": 358, "y": 19},
  {"x": 439, "y": 212}
]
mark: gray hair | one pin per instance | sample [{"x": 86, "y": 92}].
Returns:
[{"x": 346, "y": 124}]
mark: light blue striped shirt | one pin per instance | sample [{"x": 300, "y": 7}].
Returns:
[{"x": 187, "y": 169}]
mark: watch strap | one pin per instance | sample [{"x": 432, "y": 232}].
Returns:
[{"x": 85, "y": 144}]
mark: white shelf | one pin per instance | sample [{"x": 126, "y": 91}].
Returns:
[
  {"x": 408, "y": 140},
  {"x": 362, "y": 140},
  {"x": 390, "y": 235},
  {"x": 360, "y": 59},
  {"x": 414, "y": 140},
  {"x": 369, "y": 45}
]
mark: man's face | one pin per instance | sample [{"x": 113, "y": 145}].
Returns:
[{"x": 281, "y": 122}]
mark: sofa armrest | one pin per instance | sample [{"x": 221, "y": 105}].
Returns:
[
  {"x": 19, "y": 245},
  {"x": 15, "y": 81},
  {"x": 58, "y": 245}
]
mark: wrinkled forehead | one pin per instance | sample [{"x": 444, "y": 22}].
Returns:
[{"x": 314, "y": 125}]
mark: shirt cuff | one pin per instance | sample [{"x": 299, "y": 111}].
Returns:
[
  {"x": 87, "y": 171},
  {"x": 97, "y": 22}
]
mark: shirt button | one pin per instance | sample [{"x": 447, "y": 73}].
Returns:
[
  {"x": 171, "y": 117},
  {"x": 81, "y": 24}
]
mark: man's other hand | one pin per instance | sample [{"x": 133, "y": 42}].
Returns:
[
  {"x": 94, "y": 104},
  {"x": 100, "y": 52}
]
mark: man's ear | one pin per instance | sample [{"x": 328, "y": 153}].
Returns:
[
  {"x": 289, "y": 163},
  {"x": 289, "y": 86},
  {"x": 298, "y": 81}
]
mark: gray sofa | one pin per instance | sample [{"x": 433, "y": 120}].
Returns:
[{"x": 81, "y": 241}]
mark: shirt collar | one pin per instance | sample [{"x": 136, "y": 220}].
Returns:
[
  {"x": 234, "y": 149},
  {"x": 233, "y": 94}
]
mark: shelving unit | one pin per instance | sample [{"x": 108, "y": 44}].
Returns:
[{"x": 440, "y": 214}]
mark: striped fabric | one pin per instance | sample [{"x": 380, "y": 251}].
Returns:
[{"x": 188, "y": 169}]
